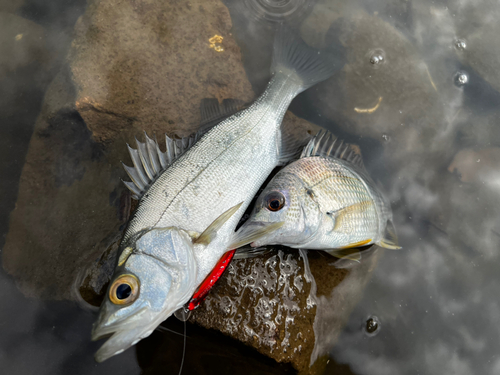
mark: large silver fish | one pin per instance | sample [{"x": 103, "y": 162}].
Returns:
[
  {"x": 191, "y": 202},
  {"x": 326, "y": 201}
]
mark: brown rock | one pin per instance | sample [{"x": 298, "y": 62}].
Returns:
[
  {"x": 67, "y": 202},
  {"x": 285, "y": 311},
  {"x": 71, "y": 201},
  {"x": 148, "y": 64},
  {"x": 70, "y": 194}
]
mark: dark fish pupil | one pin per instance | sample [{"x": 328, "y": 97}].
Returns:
[
  {"x": 275, "y": 201},
  {"x": 275, "y": 204},
  {"x": 123, "y": 291}
]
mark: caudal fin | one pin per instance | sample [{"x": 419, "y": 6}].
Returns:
[{"x": 292, "y": 56}]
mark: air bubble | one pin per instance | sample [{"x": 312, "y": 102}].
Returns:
[
  {"x": 371, "y": 326},
  {"x": 461, "y": 78},
  {"x": 460, "y": 44},
  {"x": 385, "y": 137},
  {"x": 376, "y": 57}
]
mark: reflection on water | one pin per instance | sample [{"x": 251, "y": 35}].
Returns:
[{"x": 419, "y": 94}]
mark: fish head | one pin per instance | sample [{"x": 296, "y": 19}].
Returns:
[
  {"x": 154, "y": 277},
  {"x": 282, "y": 201}
]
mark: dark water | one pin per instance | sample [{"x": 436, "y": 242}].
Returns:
[{"x": 432, "y": 141}]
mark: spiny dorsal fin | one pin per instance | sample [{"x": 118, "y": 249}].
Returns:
[
  {"x": 149, "y": 161},
  {"x": 329, "y": 146}
]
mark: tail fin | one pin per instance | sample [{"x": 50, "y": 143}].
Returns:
[{"x": 292, "y": 56}]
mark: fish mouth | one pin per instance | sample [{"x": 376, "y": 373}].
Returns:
[{"x": 122, "y": 334}]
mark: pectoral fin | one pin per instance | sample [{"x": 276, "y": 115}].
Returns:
[
  {"x": 208, "y": 235},
  {"x": 390, "y": 240},
  {"x": 342, "y": 215},
  {"x": 350, "y": 254},
  {"x": 250, "y": 233}
]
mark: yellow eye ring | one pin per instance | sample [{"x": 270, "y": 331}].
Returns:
[{"x": 124, "y": 290}]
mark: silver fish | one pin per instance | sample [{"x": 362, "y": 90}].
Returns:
[
  {"x": 326, "y": 201},
  {"x": 192, "y": 197}
]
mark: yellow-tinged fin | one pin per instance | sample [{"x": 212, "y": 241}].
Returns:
[
  {"x": 350, "y": 254},
  {"x": 124, "y": 255},
  {"x": 356, "y": 244},
  {"x": 342, "y": 215},
  {"x": 251, "y": 233},
  {"x": 390, "y": 240},
  {"x": 208, "y": 235}
]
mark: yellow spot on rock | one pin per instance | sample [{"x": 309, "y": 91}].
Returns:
[
  {"x": 215, "y": 43},
  {"x": 368, "y": 110},
  {"x": 18, "y": 37}
]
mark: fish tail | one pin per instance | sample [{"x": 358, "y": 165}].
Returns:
[{"x": 304, "y": 64}]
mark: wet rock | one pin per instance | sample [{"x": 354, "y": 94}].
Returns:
[
  {"x": 148, "y": 65},
  {"x": 285, "y": 309},
  {"x": 67, "y": 201}
]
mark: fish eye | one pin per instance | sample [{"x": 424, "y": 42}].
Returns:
[
  {"x": 124, "y": 290},
  {"x": 275, "y": 201}
]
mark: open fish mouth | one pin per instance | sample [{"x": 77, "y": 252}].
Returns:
[{"x": 122, "y": 333}]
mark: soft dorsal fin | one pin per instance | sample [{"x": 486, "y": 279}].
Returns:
[
  {"x": 149, "y": 161},
  {"x": 329, "y": 146},
  {"x": 212, "y": 112}
]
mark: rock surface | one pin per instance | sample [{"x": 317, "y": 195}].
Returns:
[
  {"x": 70, "y": 194},
  {"x": 284, "y": 308},
  {"x": 146, "y": 64}
]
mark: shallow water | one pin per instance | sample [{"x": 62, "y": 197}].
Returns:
[{"x": 419, "y": 94}]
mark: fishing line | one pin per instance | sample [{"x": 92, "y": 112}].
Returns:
[
  {"x": 184, "y": 349},
  {"x": 161, "y": 328}
]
